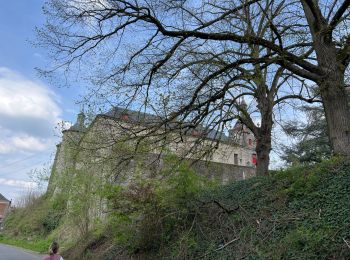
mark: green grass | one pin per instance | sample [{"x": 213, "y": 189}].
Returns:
[
  {"x": 36, "y": 245},
  {"x": 298, "y": 213}
]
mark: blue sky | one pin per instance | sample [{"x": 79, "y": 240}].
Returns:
[{"x": 30, "y": 107}]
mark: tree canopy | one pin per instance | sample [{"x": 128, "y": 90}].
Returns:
[
  {"x": 194, "y": 60},
  {"x": 311, "y": 140}
]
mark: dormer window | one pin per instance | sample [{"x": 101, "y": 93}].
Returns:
[
  {"x": 125, "y": 117},
  {"x": 196, "y": 133}
]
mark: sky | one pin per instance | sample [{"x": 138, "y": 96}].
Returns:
[{"x": 31, "y": 109}]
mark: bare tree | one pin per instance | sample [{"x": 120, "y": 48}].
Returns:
[
  {"x": 270, "y": 85},
  {"x": 197, "y": 54}
]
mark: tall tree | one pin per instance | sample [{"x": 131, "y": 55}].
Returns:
[{"x": 196, "y": 53}]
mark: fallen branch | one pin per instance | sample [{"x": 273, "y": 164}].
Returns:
[
  {"x": 228, "y": 211},
  {"x": 221, "y": 247},
  {"x": 225, "y": 245},
  {"x": 346, "y": 242}
]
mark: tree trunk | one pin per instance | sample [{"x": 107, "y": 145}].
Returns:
[
  {"x": 332, "y": 86},
  {"x": 263, "y": 138},
  {"x": 334, "y": 96},
  {"x": 263, "y": 148},
  {"x": 335, "y": 103}
]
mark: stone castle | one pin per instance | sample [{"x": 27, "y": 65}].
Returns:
[{"x": 97, "y": 148}]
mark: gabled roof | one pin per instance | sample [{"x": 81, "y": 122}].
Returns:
[
  {"x": 2, "y": 198},
  {"x": 133, "y": 116},
  {"x": 137, "y": 117}
]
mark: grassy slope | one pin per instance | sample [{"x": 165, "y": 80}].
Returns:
[
  {"x": 29, "y": 227},
  {"x": 36, "y": 245},
  {"x": 299, "y": 213}
]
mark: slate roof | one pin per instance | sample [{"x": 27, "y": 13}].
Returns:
[
  {"x": 133, "y": 116},
  {"x": 148, "y": 119},
  {"x": 2, "y": 198}
]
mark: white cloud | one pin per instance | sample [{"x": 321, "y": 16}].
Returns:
[
  {"x": 24, "y": 143},
  {"x": 30, "y": 143},
  {"x": 22, "y": 97},
  {"x": 29, "y": 112},
  {"x": 26, "y": 106},
  {"x": 5, "y": 147},
  {"x": 18, "y": 183}
]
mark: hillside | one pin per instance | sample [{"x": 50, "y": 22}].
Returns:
[{"x": 297, "y": 213}]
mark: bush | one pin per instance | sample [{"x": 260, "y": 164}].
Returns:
[
  {"x": 149, "y": 213},
  {"x": 38, "y": 216},
  {"x": 298, "y": 213}
]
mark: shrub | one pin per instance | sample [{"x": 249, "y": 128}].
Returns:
[
  {"x": 38, "y": 216},
  {"x": 148, "y": 213}
]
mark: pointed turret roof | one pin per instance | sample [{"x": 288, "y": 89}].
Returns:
[{"x": 80, "y": 123}]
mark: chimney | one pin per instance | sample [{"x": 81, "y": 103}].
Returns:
[{"x": 79, "y": 124}]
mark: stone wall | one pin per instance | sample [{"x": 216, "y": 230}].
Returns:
[
  {"x": 103, "y": 153},
  {"x": 96, "y": 147},
  {"x": 224, "y": 173}
]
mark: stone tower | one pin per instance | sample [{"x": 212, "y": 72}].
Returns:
[{"x": 63, "y": 162}]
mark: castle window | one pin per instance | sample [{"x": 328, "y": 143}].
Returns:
[
  {"x": 254, "y": 158},
  {"x": 250, "y": 141},
  {"x": 235, "y": 157}
]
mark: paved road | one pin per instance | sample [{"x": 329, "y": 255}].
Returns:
[{"x": 13, "y": 253}]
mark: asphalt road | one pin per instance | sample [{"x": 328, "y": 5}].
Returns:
[{"x": 14, "y": 253}]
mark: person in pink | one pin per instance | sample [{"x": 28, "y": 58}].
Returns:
[{"x": 53, "y": 252}]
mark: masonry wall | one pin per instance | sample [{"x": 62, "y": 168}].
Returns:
[
  {"x": 224, "y": 173},
  {"x": 85, "y": 161},
  {"x": 224, "y": 152},
  {"x": 64, "y": 159},
  {"x": 99, "y": 150}
]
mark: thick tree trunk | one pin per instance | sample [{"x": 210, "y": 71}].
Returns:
[
  {"x": 335, "y": 103},
  {"x": 263, "y": 145},
  {"x": 332, "y": 86},
  {"x": 263, "y": 149},
  {"x": 334, "y": 96}
]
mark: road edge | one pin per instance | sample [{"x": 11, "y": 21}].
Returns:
[{"x": 24, "y": 249}]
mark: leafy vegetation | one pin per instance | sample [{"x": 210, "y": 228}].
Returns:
[
  {"x": 37, "y": 245},
  {"x": 30, "y": 225},
  {"x": 298, "y": 213},
  {"x": 38, "y": 217},
  {"x": 312, "y": 142},
  {"x": 150, "y": 213}
]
